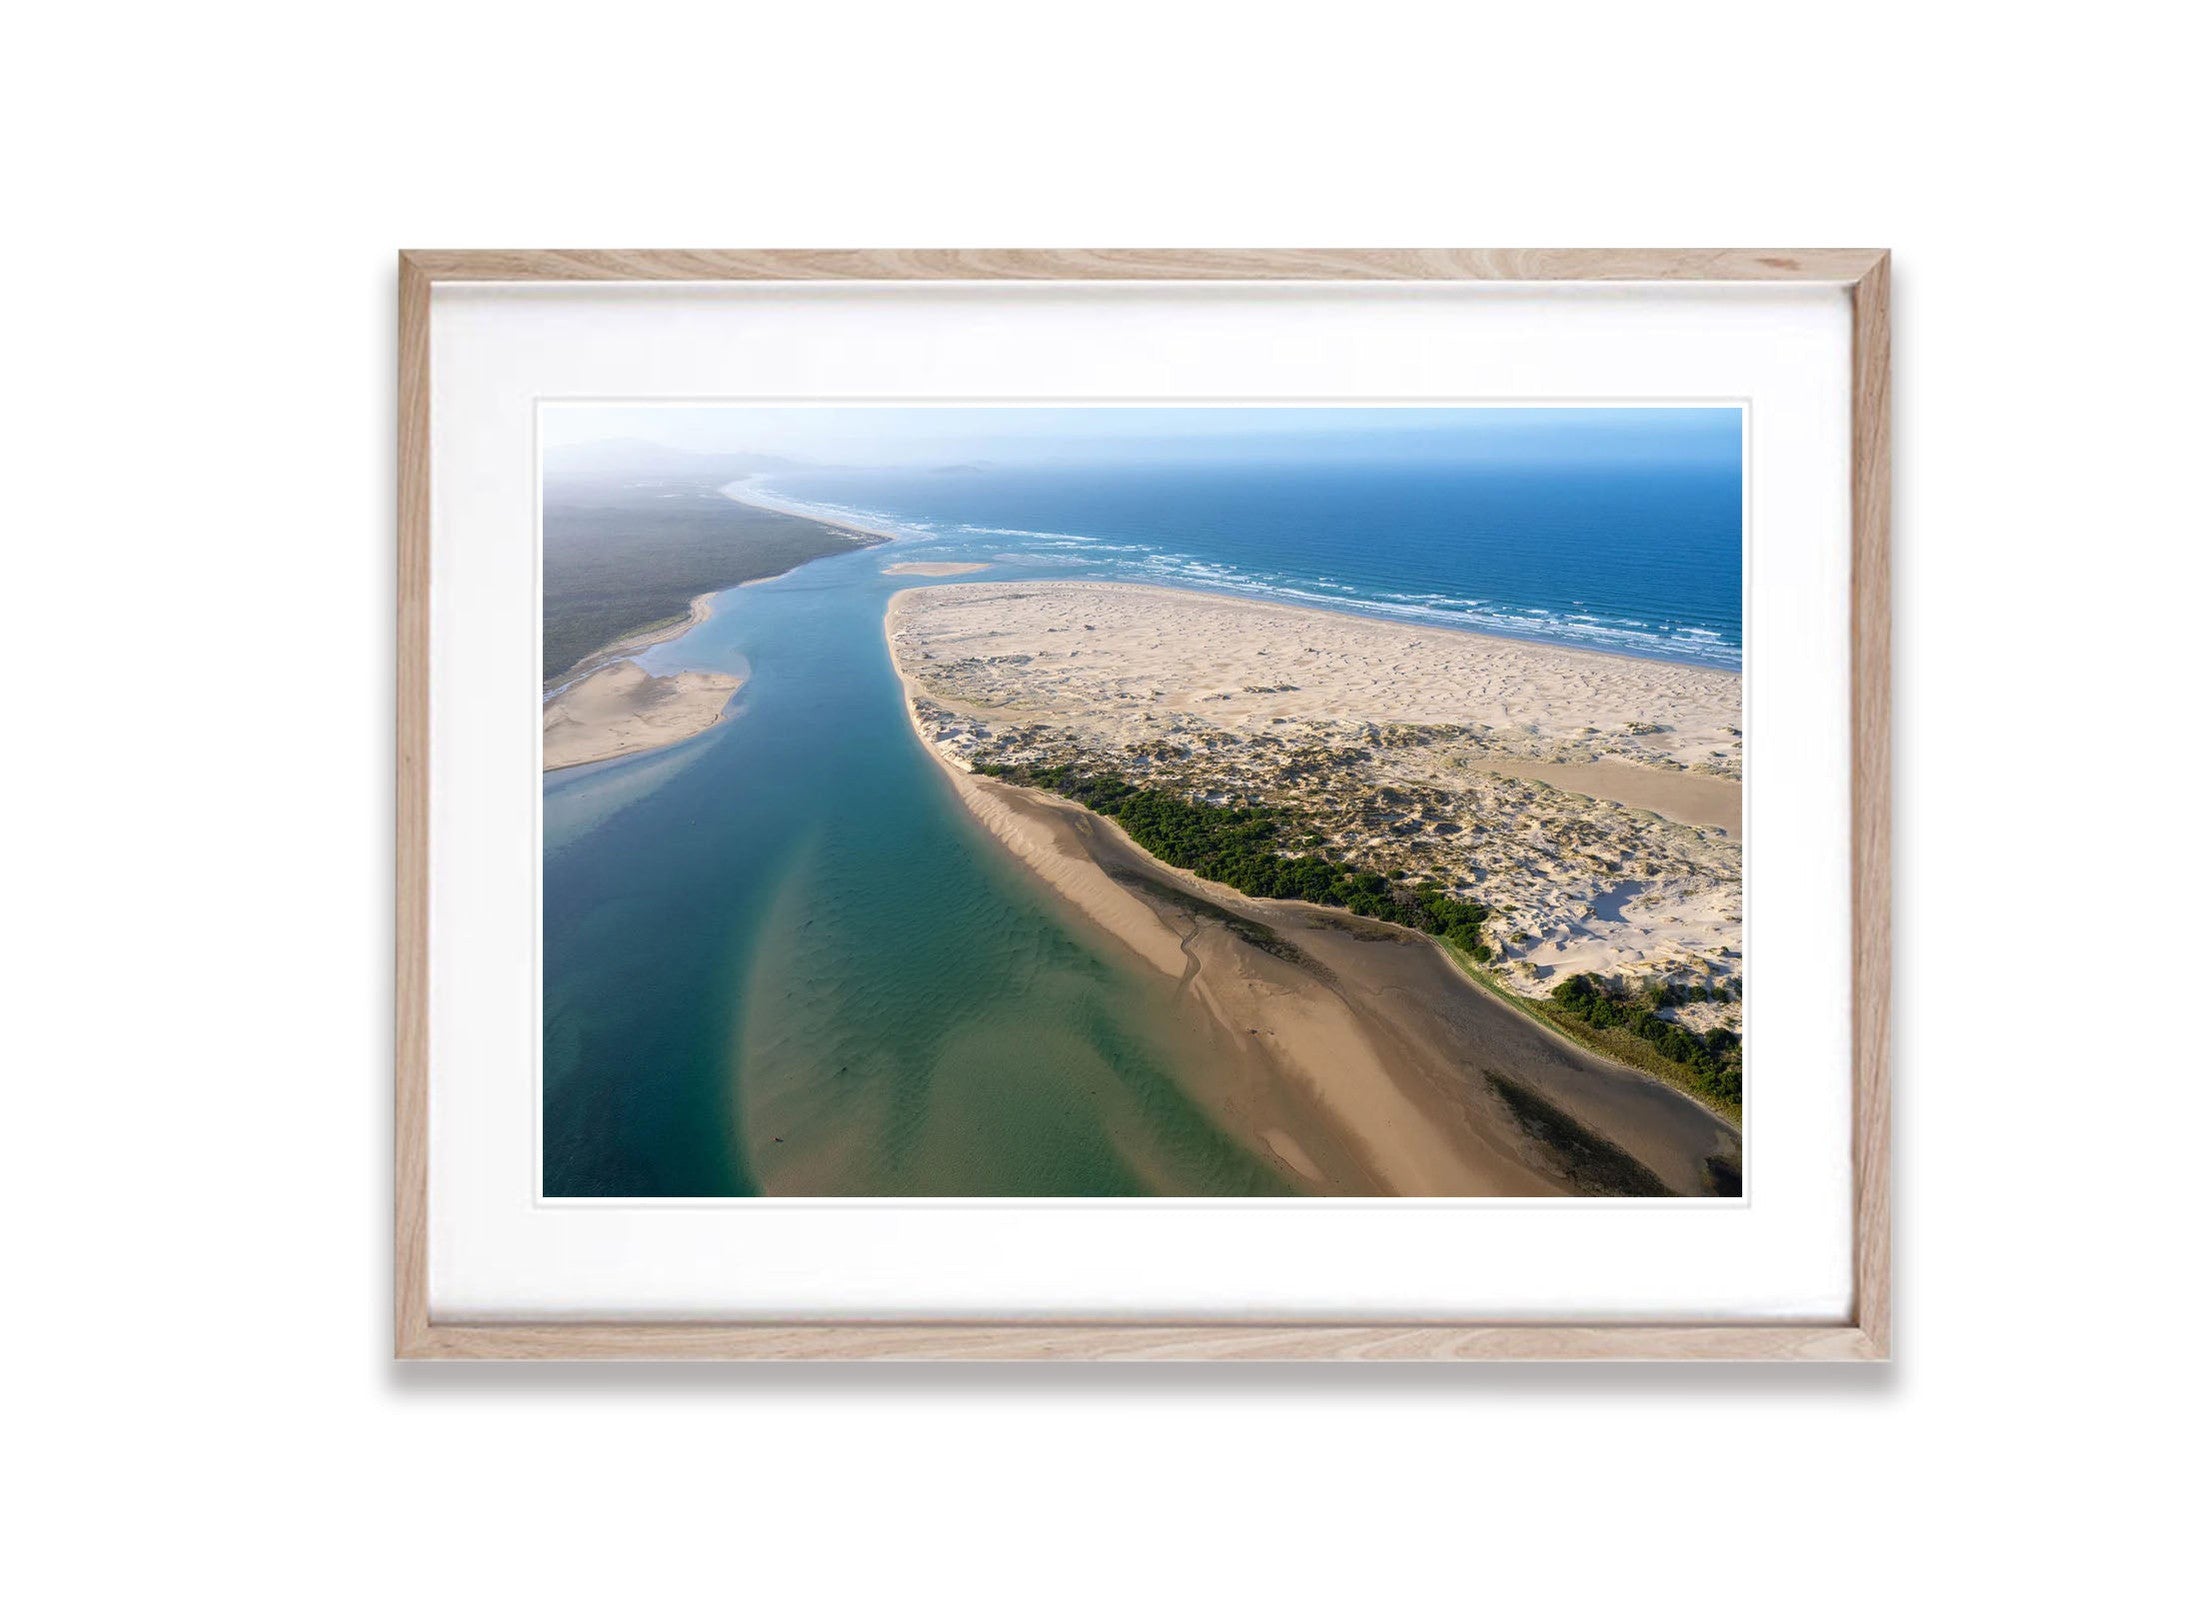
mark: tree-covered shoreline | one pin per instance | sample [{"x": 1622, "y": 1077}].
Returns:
[
  {"x": 1713, "y": 1059},
  {"x": 1261, "y": 850},
  {"x": 1269, "y": 852}
]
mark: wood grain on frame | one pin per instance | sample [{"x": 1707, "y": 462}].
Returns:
[
  {"x": 1044, "y": 1340},
  {"x": 1177, "y": 266},
  {"x": 413, "y": 598},
  {"x": 1870, "y": 756},
  {"x": 1865, "y": 1337}
]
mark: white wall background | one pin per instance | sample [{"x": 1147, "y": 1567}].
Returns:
[{"x": 199, "y": 352}]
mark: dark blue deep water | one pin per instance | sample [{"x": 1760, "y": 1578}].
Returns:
[{"x": 1642, "y": 558}]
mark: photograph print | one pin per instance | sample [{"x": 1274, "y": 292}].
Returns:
[{"x": 1114, "y": 802}]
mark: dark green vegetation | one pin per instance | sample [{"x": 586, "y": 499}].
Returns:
[
  {"x": 1712, "y": 1060},
  {"x": 1589, "y": 1162},
  {"x": 1613, "y": 1043},
  {"x": 1238, "y": 845},
  {"x": 625, "y": 551}
]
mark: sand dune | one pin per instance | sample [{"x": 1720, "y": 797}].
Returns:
[
  {"x": 1593, "y": 801},
  {"x": 1676, "y": 796}
]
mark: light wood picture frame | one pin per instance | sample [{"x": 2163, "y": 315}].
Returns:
[{"x": 1863, "y": 1335}]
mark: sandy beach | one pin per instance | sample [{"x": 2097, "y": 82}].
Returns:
[
  {"x": 1592, "y": 800},
  {"x": 762, "y": 500},
  {"x": 1355, "y": 1055},
  {"x": 620, "y": 709}
]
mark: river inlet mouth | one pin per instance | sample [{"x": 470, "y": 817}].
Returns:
[{"x": 913, "y": 1015}]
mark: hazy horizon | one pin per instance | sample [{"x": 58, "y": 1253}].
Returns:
[{"x": 931, "y": 436}]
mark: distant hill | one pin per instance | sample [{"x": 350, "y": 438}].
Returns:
[{"x": 646, "y": 457}]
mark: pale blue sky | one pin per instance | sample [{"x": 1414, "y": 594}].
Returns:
[{"x": 945, "y": 435}]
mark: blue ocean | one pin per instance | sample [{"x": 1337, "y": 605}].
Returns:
[{"x": 1639, "y": 558}]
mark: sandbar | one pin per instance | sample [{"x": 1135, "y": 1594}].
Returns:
[
  {"x": 935, "y": 568},
  {"x": 620, "y": 709}
]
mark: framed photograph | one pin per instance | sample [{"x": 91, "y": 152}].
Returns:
[{"x": 1143, "y": 804}]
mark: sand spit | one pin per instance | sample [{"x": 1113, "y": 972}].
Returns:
[
  {"x": 862, "y": 532},
  {"x": 1593, "y": 801},
  {"x": 935, "y": 568},
  {"x": 621, "y": 710},
  {"x": 698, "y": 612},
  {"x": 1355, "y": 1055}
]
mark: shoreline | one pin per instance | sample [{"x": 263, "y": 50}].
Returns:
[
  {"x": 1293, "y": 601},
  {"x": 1669, "y": 1076},
  {"x": 698, "y": 606},
  {"x": 836, "y": 520},
  {"x": 621, "y": 652},
  {"x": 1492, "y": 635},
  {"x": 620, "y": 649},
  {"x": 1366, "y": 611},
  {"x": 623, "y": 710},
  {"x": 1578, "y": 653},
  {"x": 1356, "y": 1096}
]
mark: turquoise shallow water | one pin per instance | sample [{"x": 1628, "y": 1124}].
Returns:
[{"x": 782, "y": 952}]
